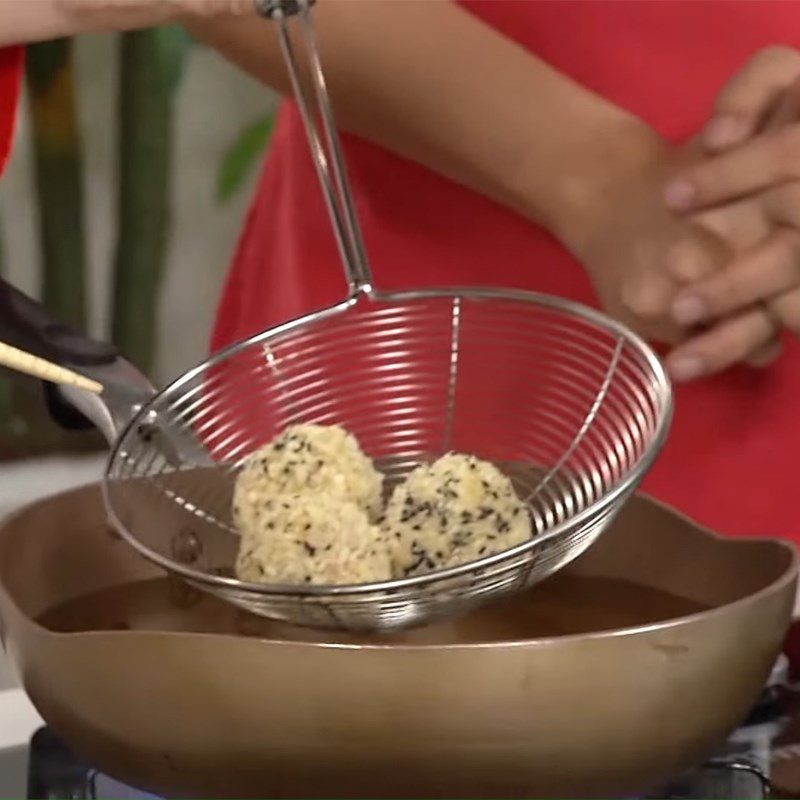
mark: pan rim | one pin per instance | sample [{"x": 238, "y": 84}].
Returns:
[{"x": 787, "y": 577}]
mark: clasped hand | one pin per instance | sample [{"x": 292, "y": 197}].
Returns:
[{"x": 702, "y": 250}]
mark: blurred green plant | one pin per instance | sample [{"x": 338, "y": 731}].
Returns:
[
  {"x": 58, "y": 184},
  {"x": 242, "y": 157},
  {"x": 151, "y": 64},
  {"x": 58, "y": 169},
  {"x": 6, "y": 390}
]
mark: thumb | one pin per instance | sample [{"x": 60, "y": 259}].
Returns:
[{"x": 647, "y": 293}]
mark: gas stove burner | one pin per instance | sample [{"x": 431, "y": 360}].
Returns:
[
  {"x": 720, "y": 780},
  {"x": 55, "y": 773}
]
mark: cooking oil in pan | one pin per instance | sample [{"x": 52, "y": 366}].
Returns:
[{"x": 566, "y": 604}]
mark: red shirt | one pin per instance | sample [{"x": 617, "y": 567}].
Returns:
[
  {"x": 10, "y": 72},
  {"x": 731, "y": 457}
]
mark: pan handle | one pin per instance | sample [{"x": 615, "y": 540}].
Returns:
[{"x": 25, "y": 324}]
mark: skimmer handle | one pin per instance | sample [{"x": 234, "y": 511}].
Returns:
[
  {"x": 25, "y": 325},
  {"x": 326, "y": 150},
  {"x": 37, "y": 367}
]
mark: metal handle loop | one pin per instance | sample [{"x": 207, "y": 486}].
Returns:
[{"x": 329, "y": 163}]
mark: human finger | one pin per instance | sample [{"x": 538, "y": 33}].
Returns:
[{"x": 729, "y": 342}]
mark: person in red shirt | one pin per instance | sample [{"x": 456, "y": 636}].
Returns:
[
  {"x": 10, "y": 71},
  {"x": 530, "y": 145}
]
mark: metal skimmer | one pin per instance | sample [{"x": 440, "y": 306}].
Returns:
[{"x": 570, "y": 404}]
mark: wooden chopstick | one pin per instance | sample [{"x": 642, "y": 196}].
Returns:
[{"x": 21, "y": 361}]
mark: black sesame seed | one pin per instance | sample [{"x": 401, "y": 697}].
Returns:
[
  {"x": 422, "y": 558},
  {"x": 501, "y": 525}
]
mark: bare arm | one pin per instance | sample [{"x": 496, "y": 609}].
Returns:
[
  {"x": 24, "y": 21},
  {"x": 430, "y": 82},
  {"x": 423, "y": 78}
]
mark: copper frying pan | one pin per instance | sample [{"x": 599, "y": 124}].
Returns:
[{"x": 586, "y": 686}]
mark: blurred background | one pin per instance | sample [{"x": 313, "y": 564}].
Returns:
[
  {"x": 133, "y": 164},
  {"x": 132, "y": 168}
]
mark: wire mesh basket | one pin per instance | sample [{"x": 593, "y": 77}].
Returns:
[{"x": 570, "y": 405}]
